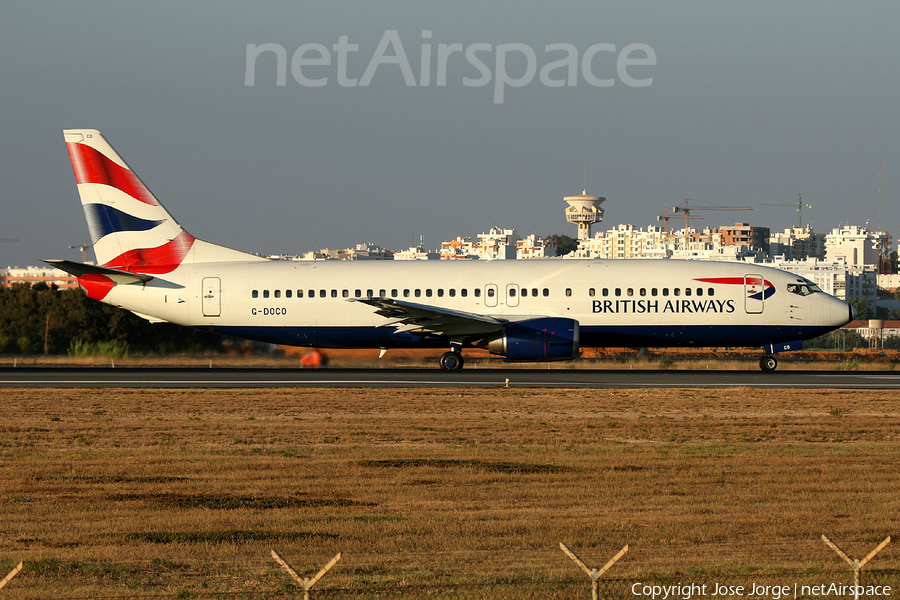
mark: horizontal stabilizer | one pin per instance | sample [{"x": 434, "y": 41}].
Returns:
[{"x": 80, "y": 270}]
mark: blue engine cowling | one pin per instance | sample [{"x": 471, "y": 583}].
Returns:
[{"x": 543, "y": 339}]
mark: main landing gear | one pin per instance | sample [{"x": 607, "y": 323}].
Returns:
[
  {"x": 452, "y": 361},
  {"x": 768, "y": 362}
]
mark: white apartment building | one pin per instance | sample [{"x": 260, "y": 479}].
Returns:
[
  {"x": 495, "y": 244},
  {"x": 852, "y": 245},
  {"x": 797, "y": 243}
]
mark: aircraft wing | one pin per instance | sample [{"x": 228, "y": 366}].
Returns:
[
  {"x": 423, "y": 319},
  {"x": 80, "y": 270}
]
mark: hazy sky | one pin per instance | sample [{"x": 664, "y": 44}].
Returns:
[{"x": 750, "y": 102}]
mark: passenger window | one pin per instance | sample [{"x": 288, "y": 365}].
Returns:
[
  {"x": 278, "y": 293},
  {"x": 546, "y": 292},
  {"x": 524, "y": 292},
  {"x": 382, "y": 293},
  {"x": 418, "y": 293},
  {"x": 653, "y": 291},
  {"x": 592, "y": 293},
  {"x": 677, "y": 291},
  {"x": 618, "y": 291},
  {"x": 568, "y": 292},
  {"x": 512, "y": 292},
  {"x": 630, "y": 292},
  {"x": 334, "y": 293},
  {"x": 699, "y": 291},
  {"x": 346, "y": 293},
  {"x": 665, "y": 291},
  {"x": 312, "y": 293},
  {"x": 710, "y": 292},
  {"x": 288, "y": 293},
  {"x": 534, "y": 292},
  {"x": 477, "y": 292},
  {"x": 299, "y": 293},
  {"x": 428, "y": 293},
  {"x": 265, "y": 293},
  {"x": 687, "y": 291},
  {"x": 440, "y": 293},
  {"x": 394, "y": 293},
  {"x": 357, "y": 293},
  {"x": 491, "y": 292},
  {"x": 605, "y": 292},
  {"x": 464, "y": 292},
  {"x": 643, "y": 291},
  {"x": 406, "y": 293},
  {"x": 255, "y": 293}
]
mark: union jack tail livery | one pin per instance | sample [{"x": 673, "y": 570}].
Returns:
[{"x": 130, "y": 229}]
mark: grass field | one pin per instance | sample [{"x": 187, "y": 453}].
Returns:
[{"x": 113, "y": 493}]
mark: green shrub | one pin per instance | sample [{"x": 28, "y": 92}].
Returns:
[{"x": 107, "y": 349}]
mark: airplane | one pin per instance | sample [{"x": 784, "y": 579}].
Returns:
[{"x": 522, "y": 310}]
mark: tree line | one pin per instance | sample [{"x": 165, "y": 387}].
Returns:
[{"x": 42, "y": 319}]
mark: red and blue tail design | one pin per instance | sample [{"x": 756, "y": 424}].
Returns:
[{"x": 130, "y": 229}]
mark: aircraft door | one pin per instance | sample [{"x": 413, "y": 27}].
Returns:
[
  {"x": 212, "y": 291},
  {"x": 512, "y": 295},
  {"x": 753, "y": 294},
  {"x": 490, "y": 294}
]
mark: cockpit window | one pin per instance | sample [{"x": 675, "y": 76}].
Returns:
[{"x": 804, "y": 288}]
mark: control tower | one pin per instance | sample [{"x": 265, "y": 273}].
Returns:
[{"x": 584, "y": 210}]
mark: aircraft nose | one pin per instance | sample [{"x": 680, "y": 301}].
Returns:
[{"x": 853, "y": 313}]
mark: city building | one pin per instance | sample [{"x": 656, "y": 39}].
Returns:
[
  {"x": 853, "y": 245},
  {"x": 32, "y": 275}
]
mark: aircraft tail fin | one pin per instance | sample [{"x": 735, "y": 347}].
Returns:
[{"x": 129, "y": 227}]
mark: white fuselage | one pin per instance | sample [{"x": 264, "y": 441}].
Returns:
[{"x": 616, "y": 303}]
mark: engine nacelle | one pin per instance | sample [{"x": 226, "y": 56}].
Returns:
[{"x": 542, "y": 339}]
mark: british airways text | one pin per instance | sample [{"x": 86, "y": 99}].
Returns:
[{"x": 670, "y": 306}]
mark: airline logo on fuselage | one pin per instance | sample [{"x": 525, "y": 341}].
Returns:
[
  {"x": 675, "y": 306},
  {"x": 757, "y": 288}
]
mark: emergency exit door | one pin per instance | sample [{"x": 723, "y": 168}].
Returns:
[{"x": 212, "y": 292}]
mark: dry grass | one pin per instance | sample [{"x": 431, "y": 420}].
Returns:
[{"x": 115, "y": 492}]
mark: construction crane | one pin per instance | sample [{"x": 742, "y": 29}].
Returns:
[
  {"x": 799, "y": 206},
  {"x": 665, "y": 219},
  {"x": 83, "y": 247},
  {"x": 687, "y": 214}
]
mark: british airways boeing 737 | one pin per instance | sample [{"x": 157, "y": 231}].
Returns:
[{"x": 531, "y": 310}]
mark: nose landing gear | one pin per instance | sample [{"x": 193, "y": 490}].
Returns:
[{"x": 768, "y": 362}]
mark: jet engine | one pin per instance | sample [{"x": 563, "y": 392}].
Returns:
[{"x": 541, "y": 339}]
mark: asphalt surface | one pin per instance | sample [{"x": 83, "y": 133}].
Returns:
[{"x": 36, "y": 377}]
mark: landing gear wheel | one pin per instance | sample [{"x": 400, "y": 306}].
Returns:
[
  {"x": 768, "y": 363},
  {"x": 452, "y": 361}
]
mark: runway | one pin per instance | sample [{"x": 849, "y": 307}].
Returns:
[{"x": 35, "y": 377}]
